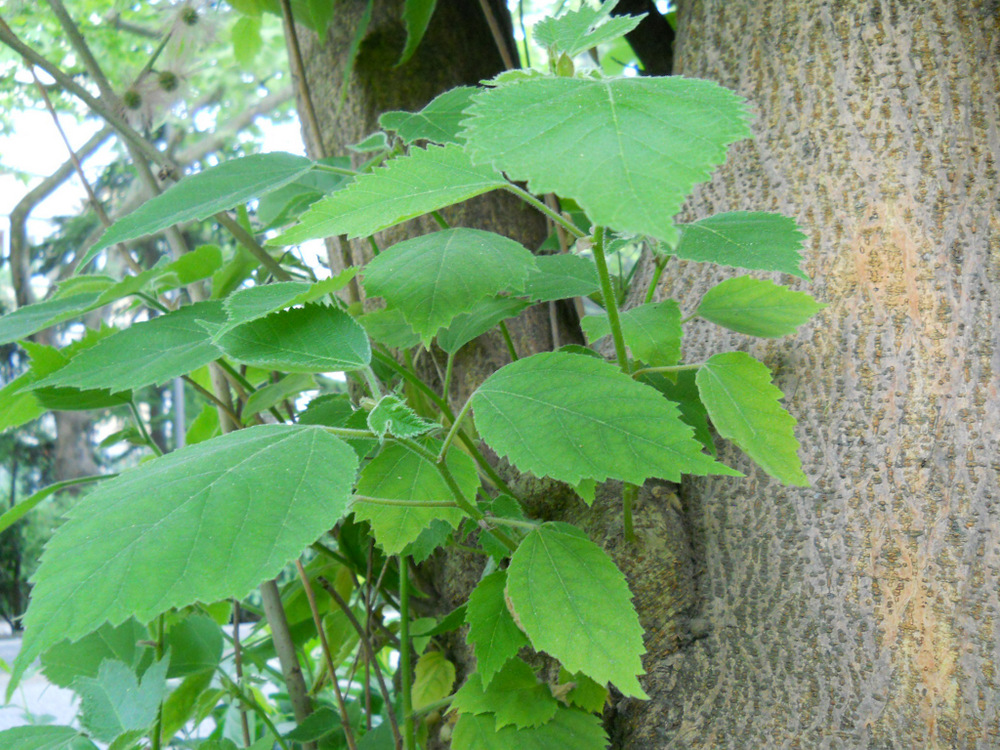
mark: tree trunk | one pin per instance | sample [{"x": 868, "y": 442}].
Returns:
[{"x": 862, "y": 612}]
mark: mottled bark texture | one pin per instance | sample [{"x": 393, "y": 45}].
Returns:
[{"x": 862, "y": 612}]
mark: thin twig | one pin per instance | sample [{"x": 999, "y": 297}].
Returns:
[
  {"x": 299, "y": 74},
  {"x": 238, "y": 660},
  {"x": 498, "y": 36},
  {"x": 335, "y": 595},
  {"x": 325, "y": 647}
]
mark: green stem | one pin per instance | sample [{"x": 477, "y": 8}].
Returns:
[
  {"x": 513, "y": 522},
  {"x": 533, "y": 201},
  {"x": 246, "y": 239},
  {"x": 156, "y": 740},
  {"x": 374, "y": 387},
  {"x": 508, "y": 341},
  {"x": 467, "y": 441},
  {"x": 441, "y": 222},
  {"x": 350, "y": 433},
  {"x": 334, "y": 170},
  {"x": 610, "y": 303},
  {"x": 628, "y": 497},
  {"x": 142, "y": 429},
  {"x": 455, "y": 425},
  {"x": 250, "y": 701},
  {"x": 405, "y": 503},
  {"x": 409, "y": 727},
  {"x": 660, "y": 264},
  {"x": 666, "y": 368},
  {"x": 447, "y": 376}
]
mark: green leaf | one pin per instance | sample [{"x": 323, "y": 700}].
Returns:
[
  {"x": 195, "y": 645},
  {"x": 574, "y": 603},
  {"x": 25, "y": 506},
  {"x": 18, "y": 405},
  {"x": 757, "y": 307},
  {"x": 744, "y": 239},
  {"x": 274, "y": 393},
  {"x": 560, "y": 277},
  {"x": 247, "y": 41},
  {"x": 399, "y": 474},
  {"x": 522, "y": 406},
  {"x": 317, "y": 725},
  {"x": 46, "y": 361},
  {"x": 198, "y": 264},
  {"x": 391, "y": 416},
  {"x": 629, "y": 150},
  {"x": 377, "y": 141},
  {"x": 433, "y": 677},
  {"x": 743, "y": 404},
  {"x": 116, "y": 702},
  {"x": 65, "y": 662},
  {"x": 416, "y": 15},
  {"x": 257, "y": 302},
  {"x": 436, "y": 277},
  {"x": 313, "y": 338},
  {"x": 44, "y": 738},
  {"x": 582, "y": 691},
  {"x": 515, "y": 696},
  {"x": 203, "y": 523},
  {"x": 146, "y": 353},
  {"x": 492, "y": 631},
  {"x": 439, "y": 122},
  {"x": 580, "y": 30},
  {"x": 180, "y": 705},
  {"x": 389, "y": 327},
  {"x": 33, "y": 318},
  {"x": 652, "y": 331},
  {"x": 482, "y": 318},
  {"x": 219, "y": 188},
  {"x": 406, "y": 187},
  {"x": 680, "y": 388},
  {"x": 569, "y": 729}
]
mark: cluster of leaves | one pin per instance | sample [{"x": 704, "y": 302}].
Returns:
[{"x": 164, "y": 542}]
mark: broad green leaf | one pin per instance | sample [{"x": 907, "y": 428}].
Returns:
[
  {"x": 680, "y": 388},
  {"x": 416, "y": 15},
  {"x": 33, "y": 318},
  {"x": 279, "y": 207},
  {"x": 574, "y": 603},
  {"x": 560, "y": 277},
  {"x": 18, "y": 405},
  {"x": 195, "y": 644},
  {"x": 377, "y": 141},
  {"x": 483, "y": 317},
  {"x": 180, "y": 705},
  {"x": 313, "y": 338},
  {"x": 247, "y": 40},
  {"x": 317, "y": 725},
  {"x": 744, "y": 239},
  {"x": 146, "y": 353},
  {"x": 492, "y": 631},
  {"x": 203, "y": 523},
  {"x": 501, "y": 506},
  {"x": 25, "y": 506},
  {"x": 569, "y": 729},
  {"x": 438, "y": 276},
  {"x": 628, "y": 150},
  {"x": 218, "y": 188},
  {"x": 329, "y": 410},
  {"x": 743, "y": 405},
  {"x": 391, "y": 416},
  {"x": 44, "y": 738},
  {"x": 757, "y": 307},
  {"x": 47, "y": 361},
  {"x": 515, "y": 696},
  {"x": 116, "y": 701},
  {"x": 433, "y": 677},
  {"x": 406, "y": 187},
  {"x": 256, "y": 302},
  {"x": 523, "y": 406},
  {"x": 204, "y": 426},
  {"x": 439, "y": 122},
  {"x": 274, "y": 393},
  {"x": 198, "y": 264},
  {"x": 389, "y": 327},
  {"x": 651, "y": 331},
  {"x": 65, "y": 662},
  {"x": 436, "y": 534},
  {"x": 582, "y": 691},
  {"x": 83, "y": 284},
  {"x": 580, "y": 30},
  {"x": 397, "y": 473}
]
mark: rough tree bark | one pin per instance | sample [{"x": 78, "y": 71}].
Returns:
[{"x": 862, "y": 612}]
